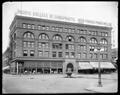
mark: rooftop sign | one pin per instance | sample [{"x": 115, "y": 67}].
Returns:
[{"x": 61, "y": 18}]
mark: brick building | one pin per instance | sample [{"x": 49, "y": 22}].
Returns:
[{"x": 49, "y": 46}]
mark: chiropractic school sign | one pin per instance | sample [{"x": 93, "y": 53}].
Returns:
[{"x": 61, "y": 18}]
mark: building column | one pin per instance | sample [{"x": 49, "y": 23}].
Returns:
[{"x": 17, "y": 67}]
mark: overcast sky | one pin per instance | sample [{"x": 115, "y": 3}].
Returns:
[{"x": 97, "y": 11}]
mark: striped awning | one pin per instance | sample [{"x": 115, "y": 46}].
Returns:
[
  {"x": 105, "y": 65},
  {"x": 85, "y": 65}
]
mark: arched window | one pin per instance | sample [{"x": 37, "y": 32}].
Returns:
[
  {"x": 28, "y": 35},
  {"x": 103, "y": 41},
  {"x": 93, "y": 40},
  {"x": 70, "y": 38},
  {"x": 57, "y": 37},
  {"x": 43, "y": 36},
  {"x": 82, "y": 39}
]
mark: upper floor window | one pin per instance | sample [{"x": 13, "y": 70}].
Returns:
[
  {"x": 57, "y": 46},
  {"x": 32, "y": 53},
  {"x": 70, "y": 39},
  {"x": 82, "y": 39},
  {"x": 43, "y": 45},
  {"x": 24, "y": 25},
  {"x": 57, "y": 37},
  {"x": 93, "y": 40},
  {"x": 28, "y": 35},
  {"x": 82, "y": 47},
  {"x": 43, "y": 36},
  {"x": 25, "y": 53},
  {"x": 69, "y": 46},
  {"x": 103, "y": 41}
]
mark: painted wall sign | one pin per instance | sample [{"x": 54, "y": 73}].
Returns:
[{"x": 61, "y": 18}]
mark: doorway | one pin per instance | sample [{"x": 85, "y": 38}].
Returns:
[{"x": 70, "y": 65}]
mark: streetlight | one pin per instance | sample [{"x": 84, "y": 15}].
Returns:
[{"x": 99, "y": 71}]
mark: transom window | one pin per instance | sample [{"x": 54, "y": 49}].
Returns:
[
  {"x": 70, "y": 39},
  {"x": 28, "y": 35},
  {"x": 103, "y": 41},
  {"x": 82, "y": 39},
  {"x": 93, "y": 40},
  {"x": 57, "y": 37},
  {"x": 43, "y": 36}
]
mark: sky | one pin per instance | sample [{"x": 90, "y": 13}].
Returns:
[{"x": 97, "y": 11}]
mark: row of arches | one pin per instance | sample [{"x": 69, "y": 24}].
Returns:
[{"x": 69, "y": 38}]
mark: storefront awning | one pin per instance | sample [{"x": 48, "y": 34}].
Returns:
[
  {"x": 85, "y": 65},
  {"x": 105, "y": 65},
  {"x": 5, "y": 68}
]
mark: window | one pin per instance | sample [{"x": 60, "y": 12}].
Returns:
[
  {"x": 47, "y": 27},
  {"x": 32, "y": 53},
  {"x": 54, "y": 54},
  {"x": 33, "y": 26},
  {"x": 79, "y": 55},
  {"x": 25, "y": 53},
  {"x": 28, "y": 35},
  {"x": 53, "y": 28},
  {"x": 70, "y": 46},
  {"x": 29, "y": 44},
  {"x": 43, "y": 45},
  {"x": 60, "y": 29},
  {"x": 24, "y": 25},
  {"x": 57, "y": 37},
  {"x": 82, "y": 39},
  {"x": 101, "y": 56},
  {"x": 40, "y": 53},
  {"x": 84, "y": 55},
  {"x": 59, "y": 54},
  {"x": 82, "y": 47},
  {"x": 29, "y": 26},
  {"x": 66, "y": 54},
  {"x": 95, "y": 55},
  {"x": 72, "y": 54},
  {"x": 70, "y": 39},
  {"x": 91, "y": 48},
  {"x": 93, "y": 40},
  {"x": 39, "y": 27},
  {"x": 105, "y": 56},
  {"x": 32, "y": 44},
  {"x": 91, "y": 55},
  {"x": 103, "y": 41},
  {"x": 46, "y": 54},
  {"x": 24, "y": 44},
  {"x": 14, "y": 36},
  {"x": 106, "y": 34},
  {"x": 43, "y": 36},
  {"x": 56, "y": 46}
]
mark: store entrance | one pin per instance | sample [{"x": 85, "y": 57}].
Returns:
[{"x": 70, "y": 65}]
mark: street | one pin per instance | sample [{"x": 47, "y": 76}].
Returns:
[{"x": 57, "y": 83}]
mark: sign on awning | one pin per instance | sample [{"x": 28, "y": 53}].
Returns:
[
  {"x": 85, "y": 65},
  {"x": 105, "y": 65}
]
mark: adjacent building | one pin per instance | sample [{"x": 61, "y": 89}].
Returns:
[{"x": 49, "y": 46}]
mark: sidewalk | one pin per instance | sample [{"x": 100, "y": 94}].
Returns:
[{"x": 108, "y": 88}]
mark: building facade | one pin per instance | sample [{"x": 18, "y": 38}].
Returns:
[
  {"x": 6, "y": 58},
  {"x": 48, "y": 46}
]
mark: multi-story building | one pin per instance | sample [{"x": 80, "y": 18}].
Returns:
[{"x": 49, "y": 46}]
